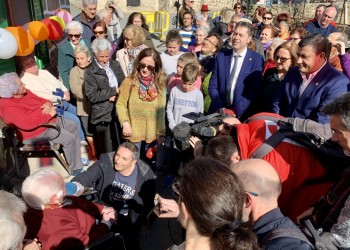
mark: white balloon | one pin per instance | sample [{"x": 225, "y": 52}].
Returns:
[{"x": 8, "y": 44}]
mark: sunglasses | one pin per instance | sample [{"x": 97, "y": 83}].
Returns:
[
  {"x": 74, "y": 35},
  {"x": 267, "y": 18},
  {"x": 149, "y": 67},
  {"x": 99, "y": 32},
  {"x": 282, "y": 59},
  {"x": 175, "y": 186}
]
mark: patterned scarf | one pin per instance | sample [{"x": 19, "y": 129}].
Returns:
[
  {"x": 133, "y": 53},
  {"x": 113, "y": 81},
  {"x": 147, "y": 91}
]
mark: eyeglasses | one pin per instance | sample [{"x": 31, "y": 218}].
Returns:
[
  {"x": 252, "y": 193},
  {"x": 99, "y": 32},
  {"x": 74, "y": 35},
  {"x": 282, "y": 59},
  {"x": 267, "y": 18},
  {"x": 149, "y": 67},
  {"x": 208, "y": 40},
  {"x": 175, "y": 186},
  {"x": 191, "y": 1},
  {"x": 294, "y": 38}
]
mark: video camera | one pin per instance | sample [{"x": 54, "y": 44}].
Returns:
[{"x": 204, "y": 127}]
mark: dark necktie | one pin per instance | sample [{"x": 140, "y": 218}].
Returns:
[{"x": 232, "y": 76}]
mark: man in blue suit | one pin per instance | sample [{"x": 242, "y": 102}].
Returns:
[
  {"x": 306, "y": 89},
  {"x": 237, "y": 74}
]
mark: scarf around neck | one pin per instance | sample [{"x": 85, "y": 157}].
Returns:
[
  {"x": 147, "y": 90},
  {"x": 113, "y": 81}
]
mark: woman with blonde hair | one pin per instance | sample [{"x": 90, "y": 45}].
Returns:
[{"x": 134, "y": 42}]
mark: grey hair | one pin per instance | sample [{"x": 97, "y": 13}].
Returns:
[
  {"x": 199, "y": 16},
  {"x": 81, "y": 48},
  {"x": 86, "y": 2},
  {"x": 102, "y": 13},
  {"x": 38, "y": 188},
  {"x": 284, "y": 23},
  {"x": 9, "y": 85},
  {"x": 343, "y": 37},
  {"x": 204, "y": 29},
  {"x": 277, "y": 42},
  {"x": 12, "y": 233},
  {"x": 244, "y": 20},
  {"x": 74, "y": 25},
  {"x": 100, "y": 45},
  {"x": 10, "y": 204},
  {"x": 132, "y": 147},
  {"x": 340, "y": 106}
]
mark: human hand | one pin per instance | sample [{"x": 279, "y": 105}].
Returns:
[
  {"x": 46, "y": 107},
  {"x": 340, "y": 46},
  {"x": 58, "y": 92},
  {"x": 127, "y": 131},
  {"x": 307, "y": 213},
  {"x": 226, "y": 127},
  {"x": 66, "y": 96},
  {"x": 168, "y": 208},
  {"x": 112, "y": 98},
  {"x": 197, "y": 146},
  {"x": 31, "y": 244},
  {"x": 108, "y": 214}
]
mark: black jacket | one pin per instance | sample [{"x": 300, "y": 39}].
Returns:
[
  {"x": 100, "y": 176},
  {"x": 98, "y": 91},
  {"x": 272, "y": 220}
]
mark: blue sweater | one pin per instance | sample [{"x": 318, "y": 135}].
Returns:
[{"x": 314, "y": 27}]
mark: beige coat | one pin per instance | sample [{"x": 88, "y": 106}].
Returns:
[
  {"x": 123, "y": 58},
  {"x": 76, "y": 80}
]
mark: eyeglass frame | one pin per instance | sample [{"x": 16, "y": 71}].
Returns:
[
  {"x": 282, "y": 59},
  {"x": 149, "y": 67},
  {"x": 74, "y": 35}
]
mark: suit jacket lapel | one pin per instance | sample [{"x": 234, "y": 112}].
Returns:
[{"x": 315, "y": 82}]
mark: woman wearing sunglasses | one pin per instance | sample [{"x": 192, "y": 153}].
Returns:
[
  {"x": 285, "y": 57},
  {"x": 211, "y": 209},
  {"x": 66, "y": 59},
  {"x": 102, "y": 79},
  {"x": 141, "y": 101},
  {"x": 100, "y": 31}
]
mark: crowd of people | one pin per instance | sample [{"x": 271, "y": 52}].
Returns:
[{"x": 121, "y": 98}]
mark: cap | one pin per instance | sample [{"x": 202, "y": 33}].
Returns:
[{"x": 204, "y": 7}]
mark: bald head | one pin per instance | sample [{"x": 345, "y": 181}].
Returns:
[
  {"x": 260, "y": 177},
  {"x": 327, "y": 16}
]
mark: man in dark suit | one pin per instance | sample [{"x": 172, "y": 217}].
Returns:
[
  {"x": 236, "y": 77},
  {"x": 306, "y": 89}
]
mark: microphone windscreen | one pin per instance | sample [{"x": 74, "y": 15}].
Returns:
[{"x": 181, "y": 130}]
